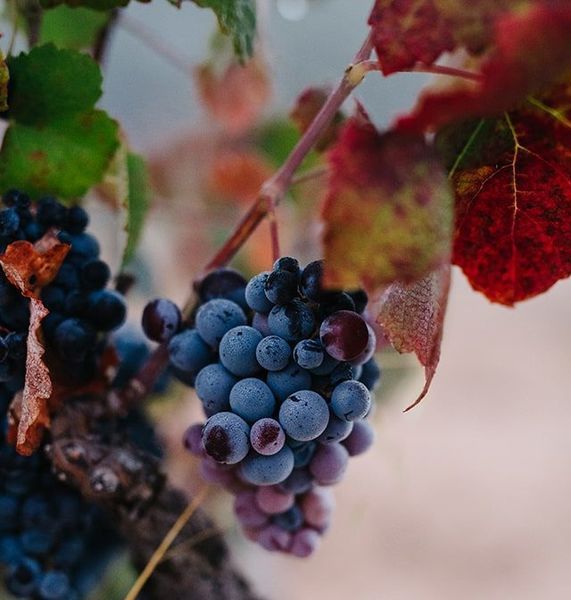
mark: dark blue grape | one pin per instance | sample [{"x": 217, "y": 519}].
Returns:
[
  {"x": 287, "y": 381},
  {"x": 50, "y": 212},
  {"x": 9, "y": 507},
  {"x": 54, "y": 297},
  {"x": 267, "y": 470},
  {"x": 107, "y": 309},
  {"x": 74, "y": 339},
  {"x": 36, "y": 542},
  {"x": 188, "y": 352},
  {"x": 252, "y": 399},
  {"x": 238, "y": 350},
  {"x": 9, "y": 222},
  {"x": 67, "y": 277},
  {"x": 76, "y": 220},
  {"x": 360, "y": 300},
  {"x": 308, "y": 354},
  {"x": 213, "y": 384},
  {"x": 256, "y": 293},
  {"x": 290, "y": 520},
  {"x": 273, "y": 353},
  {"x": 292, "y": 322},
  {"x": 226, "y": 438},
  {"x": 302, "y": 453},
  {"x": 287, "y": 263},
  {"x": 54, "y": 585},
  {"x": 217, "y": 317},
  {"x": 299, "y": 482},
  {"x": 371, "y": 374},
  {"x": 304, "y": 415},
  {"x": 22, "y": 577},
  {"x": 223, "y": 283},
  {"x": 95, "y": 274},
  {"x": 337, "y": 429},
  {"x": 280, "y": 287},
  {"x": 84, "y": 245},
  {"x": 351, "y": 400}
]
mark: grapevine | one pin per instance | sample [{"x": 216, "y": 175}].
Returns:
[{"x": 283, "y": 360}]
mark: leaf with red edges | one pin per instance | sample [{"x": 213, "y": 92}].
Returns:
[
  {"x": 388, "y": 212},
  {"x": 513, "y": 191},
  {"x": 531, "y": 51},
  {"x": 412, "y": 318},
  {"x": 30, "y": 268}
]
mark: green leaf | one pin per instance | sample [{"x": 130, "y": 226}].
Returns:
[
  {"x": 64, "y": 158},
  {"x": 237, "y": 18},
  {"x": 94, "y": 4},
  {"x": 138, "y": 202},
  {"x": 75, "y": 28},
  {"x": 50, "y": 83},
  {"x": 57, "y": 142}
]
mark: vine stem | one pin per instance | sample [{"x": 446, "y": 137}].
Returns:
[
  {"x": 374, "y": 65},
  {"x": 271, "y": 193}
]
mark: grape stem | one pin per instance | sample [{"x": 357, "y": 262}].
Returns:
[{"x": 271, "y": 193}]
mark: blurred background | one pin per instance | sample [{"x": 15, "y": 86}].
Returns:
[{"x": 468, "y": 495}]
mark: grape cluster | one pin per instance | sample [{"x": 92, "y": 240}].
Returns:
[
  {"x": 53, "y": 545},
  {"x": 284, "y": 370}
]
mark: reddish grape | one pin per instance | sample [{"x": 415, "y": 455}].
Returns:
[
  {"x": 273, "y": 501},
  {"x": 161, "y": 320},
  {"x": 344, "y": 335},
  {"x": 329, "y": 463}
]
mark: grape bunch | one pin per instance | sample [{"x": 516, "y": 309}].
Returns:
[
  {"x": 284, "y": 369},
  {"x": 53, "y": 545}
]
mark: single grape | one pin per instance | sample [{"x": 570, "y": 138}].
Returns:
[
  {"x": 238, "y": 350},
  {"x": 226, "y": 438},
  {"x": 317, "y": 506},
  {"x": 351, "y": 400},
  {"x": 107, "y": 309},
  {"x": 274, "y": 539},
  {"x": 50, "y": 213},
  {"x": 9, "y": 222},
  {"x": 267, "y": 436},
  {"x": 260, "y": 322},
  {"x": 161, "y": 320},
  {"x": 303, "y": 453},
  {"x": 217, "y": 317},
  {"x": 308, "y": 354},
  {"x": 329, "y": 463},
  {"x": 82, "y": 245},
  {"x": 223, "y": 283},
  {"x": 360, "y": 299},
  {"x": 256, "y": 293},
  {"x": 291, "y": 520},
  {"x": 188, "y": 352},
  {"x": 267, "y": 470},
  {"x": 214, "y": 472},
  {"x": 337, "y": 430},
  {"x": 304, "y": 542},
  {"x": 344, "y": 335},
  {"x": 299, "y": 482},
  {"x": 337, "y": 301},
  {"x": 273, "y": 501},
  {"x": 273, "y": 353},
  {"x": 9, "y": 507},
  {"x": 252, "y": 399},
  {"x": 76, "y": 220},
  {"x": 304, "y": 415},
  {"x": 247, "y": 510},
  {"x": 370, "y": 375},
  {"x": 54, "y": 585},
  {"x": 360, "y": 439},
  {"x": 287, "y": 263},
  {"x": 74, "y": 339},
  {"x": 192, "y": 439},
  {"x": 213, "y": 385},
  {"x": 280, "y": 287},
  {"x": 287, "y": 381},
  {"x": 369, "y": 351},
  {"x": 22, "y": 577},
  {"x": 292, "y": 322}
]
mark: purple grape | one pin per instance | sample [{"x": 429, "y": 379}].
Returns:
[
  {"x": 272, "y": 500},
  {"x": 214, "y": 472},
  {"x": 329, "y": 463},
  {"x": 226, "y": 438},
  {"x": 304, "y": 415},
  {"x": 260, "y": 322},
  {"x": 267, "y": 436},
  {"x": 369, "y": 351},
  {"x": 223, "y": 283},
  {"x": 350, "y": 400},
  {"x": 360, "y": 439},
  {"x": 268, "y": 470},
  {"x": 299, "y": 482},
  {"x": 317, "y": 506},
  {"x": 344, "y": 335},
  {"x": 247, "y": 510},
  {"x": 274, "y": 539},
  {"x": 192, "y": 439},
  {"x": 304, "y": 542}
]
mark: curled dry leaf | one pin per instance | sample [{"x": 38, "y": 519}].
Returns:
[
  {"x": 412, "y": 318},
  {"x": 234, "y": 95},
  {"x": 29, "y": 268},
  {"x": 388, "y": 211}
]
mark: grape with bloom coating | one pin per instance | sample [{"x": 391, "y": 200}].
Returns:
[
  {"x": 267, "y": 436},
  {"x": 288, "y": 381},
  {"x": 226, "y": 438},
  {"x": 217, "y": 317},
  {"x": 360, "y": 439},
  {"x": 329, "y": 463},
  {"x": 273, "y": 353},
  {"x": 350, "y": 400},
  {"x": 273, "y": 501},
  {"x": 268, "y": 470},
  {"x": 213, "y": 385},
  {"x": 304, "y": 415},
  {"x": 238, "y": 350},
  {"x": 252, "y": 399}
]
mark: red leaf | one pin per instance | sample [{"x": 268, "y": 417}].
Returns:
[
  {"x": 412, "y": 318},
  {"x": 30, "y": 268},
  {"x": 532, "y": 49},
  {"x": 407, "y": 32},
  {"x": 307, "y": 106},
  {"x": 388, "y": 211},
  {"x": 234, "y": 95},
  {"x": 513, "y": 190}
]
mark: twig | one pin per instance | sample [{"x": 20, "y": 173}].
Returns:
[
  {"x": 169, "y": 538},
  {"x": 102, "y": 41},
  {"x": 310, "y": 175},
  {"x": 374, "y": 65}
]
